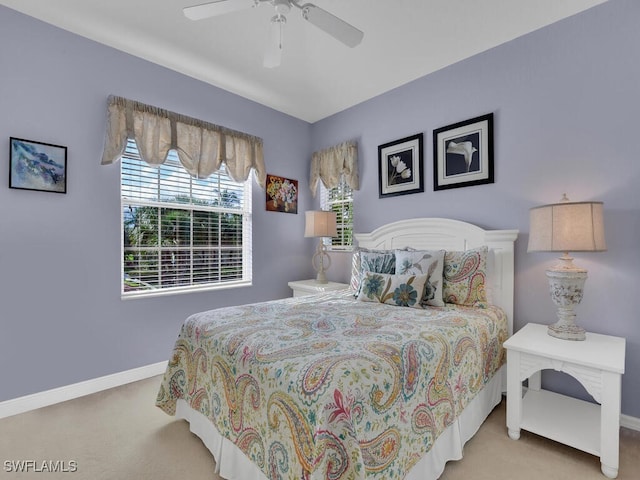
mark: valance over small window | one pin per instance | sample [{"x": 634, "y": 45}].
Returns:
[
  {"x": 330, "y": 164},
  {"x": 202, "y": 147}
]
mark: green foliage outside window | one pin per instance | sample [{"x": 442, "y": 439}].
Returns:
[
  {"x": 340, "y": 200},
  {"x": 179, "y": 231}
]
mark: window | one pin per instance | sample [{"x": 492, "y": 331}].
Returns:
[
  {"x": 340, "y": 200},
  {"x": 181, "y": 233}
]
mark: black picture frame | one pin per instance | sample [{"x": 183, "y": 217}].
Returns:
[
  {"x": 463, "y": 153},
  {"x": 37, "y": 166},
  {"x": 400, "y": 166}
]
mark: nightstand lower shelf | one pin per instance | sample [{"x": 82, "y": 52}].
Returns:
[{"x": 566, "y": 420}]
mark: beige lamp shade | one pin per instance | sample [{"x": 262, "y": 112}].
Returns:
[
  {"x": 319, "y": 223},
  {"x": 567, "y": 227}
]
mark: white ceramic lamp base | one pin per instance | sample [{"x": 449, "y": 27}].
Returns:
[
  {"x": 321, "y": 262},
  {"x": 566, "y": 284},
  {"x": 566, "y": 331}
]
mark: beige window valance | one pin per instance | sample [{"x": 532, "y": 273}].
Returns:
[
  {"x": 202, "y": 147},
  {"x": 330, "y": 164}
]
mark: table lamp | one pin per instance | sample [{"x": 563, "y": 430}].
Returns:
[
  {"x": 319, "y": 223},
  {"x": 566, "y": 227}
]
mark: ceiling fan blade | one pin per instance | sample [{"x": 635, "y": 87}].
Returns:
[
  {"x": 215, "y": 8},
  {"x": 334, "y": 26},
  {"x": 273, "y": 54}
]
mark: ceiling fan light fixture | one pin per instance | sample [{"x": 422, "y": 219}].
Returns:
[
  {"x": 282, "y": 7},
  {"x": 325, "y": 21},
  {"x": 280, "y": 21},
  {"x": 273, "y": 54}
]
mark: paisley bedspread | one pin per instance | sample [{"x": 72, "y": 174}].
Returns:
[{"x": 326, "y": 387}]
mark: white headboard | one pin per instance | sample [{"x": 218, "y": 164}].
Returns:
[{"x": 442, "y": 233}]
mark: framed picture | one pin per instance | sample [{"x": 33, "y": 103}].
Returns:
[
  {"x": 463, "y": 153},
  {"x": 400, "y": 167},
  {"x": 37, "y": 166},
  {"x": 282, "y": 194}
]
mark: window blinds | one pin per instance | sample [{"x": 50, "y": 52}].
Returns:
[{"x": 182, "y": 232}]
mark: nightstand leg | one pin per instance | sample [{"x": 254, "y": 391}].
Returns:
[
  {"x": 535, "y": 381},
  {"x": 514, "y": 394},
  {"x": 610, "y": 424}
]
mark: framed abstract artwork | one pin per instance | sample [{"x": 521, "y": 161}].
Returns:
[
  {"x": 282, "y": 194},
  {"x": 463, "y": 153},
  {"x": 37, "y": 166},
  {"x": 400, "y": 166}
]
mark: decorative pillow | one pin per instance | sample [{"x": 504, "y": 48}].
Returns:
[
  {"x": 429, "y": 262},
  {"x": 356, "y": 271},
  {"x": 380, "y": 261},
  {"x": 464, "y": 277},
  {"x": 399, "y": 290}
]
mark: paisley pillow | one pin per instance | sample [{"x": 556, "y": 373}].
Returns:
[
  {"x": 398, "y": 290},
  {"x": 430, "y": 262},
  {"x": 464, "y": 277}
]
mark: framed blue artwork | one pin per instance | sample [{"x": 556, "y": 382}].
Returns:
[{"x": 37, "y": 166}]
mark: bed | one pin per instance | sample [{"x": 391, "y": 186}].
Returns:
[{"x": 343, "y": 386}]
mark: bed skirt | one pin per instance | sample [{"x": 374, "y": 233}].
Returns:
[{"x": 232, "y": 464}]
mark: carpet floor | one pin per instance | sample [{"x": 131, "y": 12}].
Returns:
[{"x": 120, "y": 434}]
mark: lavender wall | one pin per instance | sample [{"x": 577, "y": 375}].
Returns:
[
  {"x": 565, "y": 102},
  {"x": 61, "y": 317},
  {"x": 566, "y": 105}
]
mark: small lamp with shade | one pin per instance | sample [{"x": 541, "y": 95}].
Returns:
[
  {"x": 567, "y": 227},
  {"x": 320, "y": 224}
]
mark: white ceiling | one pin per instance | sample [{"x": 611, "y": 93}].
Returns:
[{"x": 404, "y": 40}]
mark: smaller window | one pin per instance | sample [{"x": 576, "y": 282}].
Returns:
[{"x": 339, "y": 200}]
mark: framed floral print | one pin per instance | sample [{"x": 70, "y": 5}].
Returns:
[
  {"x": 400, "y": 166},
  {"x": 282, "y": 194},
  {"x": 463, "y": 153}
]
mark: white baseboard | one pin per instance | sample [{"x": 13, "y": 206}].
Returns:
[
  {"x": 69, "y": 392},
  {"x": 632, "y": 423}
]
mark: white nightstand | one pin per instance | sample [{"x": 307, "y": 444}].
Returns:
[
  {"x": 597, "y": 363},
  {"x": 307, "y": 287}
]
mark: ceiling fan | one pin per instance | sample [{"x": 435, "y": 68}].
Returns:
[{"x": 334, "y": 26}]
